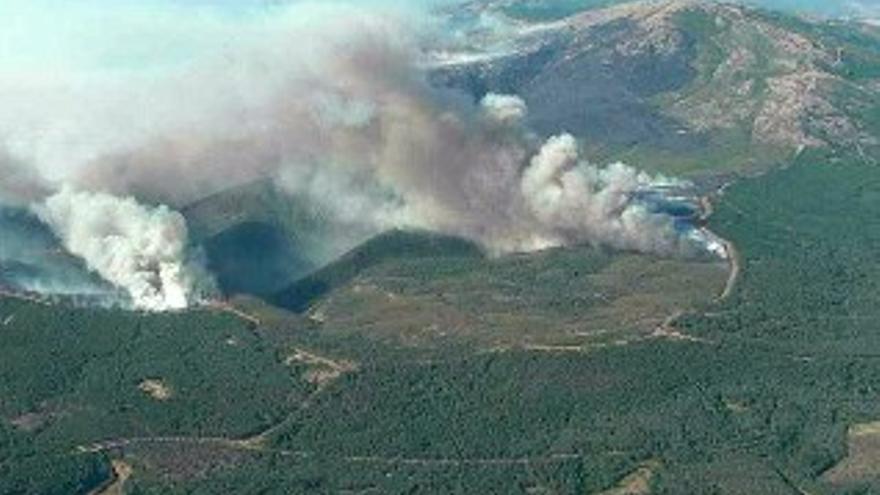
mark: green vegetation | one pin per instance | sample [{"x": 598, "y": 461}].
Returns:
[
  {"x": 754, "y": 395},
  {"x": 808, "y": 296},
  {"x": 196, "y": 384},
  {"x": 757, "y": 401},
  {"x": 69, "y": 378},
  {"x": 82, "y": 369},
  {"x": 25, "y": 469},
  {"x": 428, "y": 289},
  {"x": 810, "y": 255},
  {"x": 395, "y": 245},
  {"x": 728, "y": 151}
]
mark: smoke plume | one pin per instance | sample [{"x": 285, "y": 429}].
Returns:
[
  {"x": 140, "y": 249},
  {"x": 577, "y": 202},
  {"x": 332, "y": 102}
]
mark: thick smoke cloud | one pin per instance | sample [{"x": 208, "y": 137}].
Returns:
[
  {"x": 578, "y": 202},
  {"x": 137, "y": 248},
  {"x": 20, "y": 183},
  {"x": 332, "y": 102}
]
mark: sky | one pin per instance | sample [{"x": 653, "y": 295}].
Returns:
[
  {"x": 40, "y": 39},
  {"x": 861, "y": 8},
  {"x": 56, "y": 35},
  {"x": 116, "y": 34}
]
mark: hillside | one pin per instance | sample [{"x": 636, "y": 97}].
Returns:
[
  {"x": 292, "y": 235},
  {"x": 681, "y": 86},
  {"x": 759, "y": 393},
  {"x": 419, "y": 289}
]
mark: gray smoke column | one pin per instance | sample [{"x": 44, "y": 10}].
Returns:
[
  {"x": 329, "y": 100},
  {"x": 20, "y": 183},
  {"x": 140, "y": 249}
]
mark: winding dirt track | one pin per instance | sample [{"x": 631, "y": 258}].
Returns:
[
  {"x": 733, "y": 257},
  {"x": 735, "y": 270},
  {"x": 247, "y": 445},
  {"x": 227, "y": 307},
  {"x": 116, "y": 484}
]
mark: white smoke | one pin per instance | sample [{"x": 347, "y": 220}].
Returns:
[
  {"x": 332, "y": 102},
  {"x": 140, "y": 249},
  {"x": 579, "y": 202},
  {"x": 506, "y": 109}
]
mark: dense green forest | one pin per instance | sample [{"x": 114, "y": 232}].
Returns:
[
  {"x": 758, "y": 402},
  {"x": 757, "y": 399}
]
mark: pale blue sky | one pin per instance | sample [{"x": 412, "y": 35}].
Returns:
[
  {"x": 827, "y": 7},
  {"x": 35, "y": 34},
  {"x": 116, "y": 33}
]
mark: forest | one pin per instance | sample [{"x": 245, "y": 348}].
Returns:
[{"x": 758, "y": 399}]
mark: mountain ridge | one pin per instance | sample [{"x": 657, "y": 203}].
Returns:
[{"x": 754, "y": 78}]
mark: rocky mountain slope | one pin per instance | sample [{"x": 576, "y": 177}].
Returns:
[{"x": 708, "y": 85}]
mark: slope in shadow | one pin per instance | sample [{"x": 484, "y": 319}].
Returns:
[
  {"x": 254, "y": 258},
  {"x": 396, "y": 244}
]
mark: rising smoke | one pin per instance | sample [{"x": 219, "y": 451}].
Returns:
[
  {"x": 139, "y": 249},
  {"x": 332, "y": 102},
  {"x": 576, "y": 202}
]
